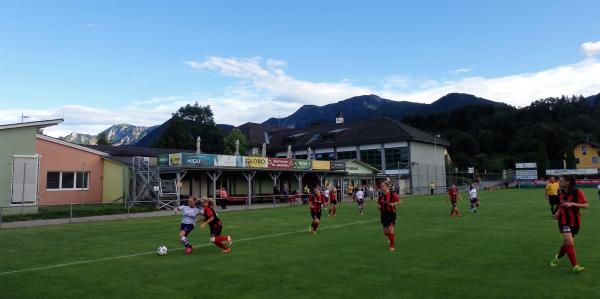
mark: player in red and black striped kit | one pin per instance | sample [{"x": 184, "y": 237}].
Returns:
[
  {"x": 454, "y": 196},
  {"x": 315, "y": 201},
  {"x": 216, "y": 226},
  {"x": 569, "y": 220},
  {"x": 387, "y": 206},
  {"x": 332, "y": 202}
]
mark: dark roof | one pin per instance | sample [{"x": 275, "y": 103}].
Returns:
[
  {"x": 256, "y": 132},
  {"x": 592, "y": 143},
  {"x": 131, "y": 151},
  {"x": 375, "y": 130}
]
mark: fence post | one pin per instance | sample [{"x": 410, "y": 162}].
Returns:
[
  {"x": 70, "y": 213},
  {"x": 128, "y": 208}
]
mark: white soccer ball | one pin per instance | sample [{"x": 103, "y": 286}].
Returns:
[{"x": 162, "y": 250}]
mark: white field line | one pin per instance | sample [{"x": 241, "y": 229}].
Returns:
[{"x": 153, "y": 252}]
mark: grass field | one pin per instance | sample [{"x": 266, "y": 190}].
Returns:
[{"x": 502, "y": 252}]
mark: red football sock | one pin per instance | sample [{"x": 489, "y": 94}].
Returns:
[
  {"x": 221, "y": 245},
  {"x": 315, "y": 226},
  {"x": 391, "y": 238},
  {"x": 562, "y": 251},
  {"x": 571, "y": 254},
  {"x": 220, "y": 238}
]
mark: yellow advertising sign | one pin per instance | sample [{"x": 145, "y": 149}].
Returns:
[
  {"x": 321, "y": 165},
  {"x": 256, "y": 162}
]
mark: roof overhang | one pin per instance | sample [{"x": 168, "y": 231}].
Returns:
[{"x": 38, "y": 124}]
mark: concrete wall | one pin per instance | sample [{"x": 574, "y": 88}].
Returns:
[
  {"x": 58, "y": 157},
  {"x": 17, "y": 141},
  {"x": 430, "y": 168}
]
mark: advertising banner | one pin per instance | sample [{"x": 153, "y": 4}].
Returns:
[
  {"x": 199, "y": 159},
  {"x": 163, "y": 160},
  {"x": 225, "y": 161},
  {"x": 528, "y": 174},
  {"x": 256, "y": 162},
  {"x": 338, "y": 165},
  {"x": 175, "y": 159},
  {"x": 582, "y": 171},
  {"x": 240, "y": 161},
  {"x": 281, "y": 163},
  {"x": 301, "y": 164},
  {"x": 321, "y": 165}
]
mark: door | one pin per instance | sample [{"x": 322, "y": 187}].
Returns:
[{"x": 25, "y": 180}]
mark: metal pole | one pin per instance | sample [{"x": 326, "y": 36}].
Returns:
[
  {"x": 70, "y": 213},
  {"x": 23, "y": 193}
]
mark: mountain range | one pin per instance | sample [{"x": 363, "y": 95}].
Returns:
[
  {"x": 121, "y": 134},
  {"x": 368, "y": 106}
]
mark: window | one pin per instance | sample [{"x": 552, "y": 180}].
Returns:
[
  {"x": 583, "y": 150},
  {"x": 346, "y": 155},
  {"x": 595, "y": 160},
  {"x": 396, "y": 158},
  {"x": 301, "y": 156},
  {"x": 371, "y": 157},
  {"x": 325, "y": 156},
  {"x": 67, "y": 180},
  {"x": 53, "y": 180}
]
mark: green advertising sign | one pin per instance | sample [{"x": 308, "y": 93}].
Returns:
[
  {"x": 301, "y": 164},
  {"x": 163, "y": 160}
]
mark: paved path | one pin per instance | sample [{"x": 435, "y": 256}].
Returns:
[{"x": 44, "y": 222}]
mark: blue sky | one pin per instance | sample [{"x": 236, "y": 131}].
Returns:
[{"x": 96, "y": 63}]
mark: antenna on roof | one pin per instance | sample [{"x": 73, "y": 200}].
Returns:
[{"x": 23, "y": 117}]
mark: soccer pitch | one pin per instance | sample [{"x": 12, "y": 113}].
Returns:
[{"x": 502, "y": 252}]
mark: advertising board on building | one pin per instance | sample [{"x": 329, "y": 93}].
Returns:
[
  {"x": 338, "y": 165},
  {"x": 301, "y": 164},
  {"x": 280, "y": 163},
  {"x": 225, "y": 161},
  {"x": 320, "y": 165},
  {"x": 175, "y": 159},
  {"x": 256, "y": 162},
  {"x": 199, "y": 159}
]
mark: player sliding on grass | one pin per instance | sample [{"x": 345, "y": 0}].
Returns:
[
  {"x": 387, "y": 206},
  {"x": 569, "y": 220},
  {"x": 188, "y": 222},
  {"x": 315, "y": 202},
  {"x": 216, "y": 226},
  {"x": 454, "y": 195},
  {"x": 332, "y": 202}
]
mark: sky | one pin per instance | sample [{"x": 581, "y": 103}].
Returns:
[{"x": 99, "y": 63}]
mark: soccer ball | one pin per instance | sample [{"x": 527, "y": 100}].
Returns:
[{"x": 162, "y": 250}]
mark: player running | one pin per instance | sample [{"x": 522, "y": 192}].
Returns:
[
  {"x": 453, "y": 196},
  {"x": 387, "y": 206},
  {"x": 569, "y": 220},
  {"x": 188, "y": 222},
  {"x": 552, "y": 194},
  {"x": 474, "y": 199},
  {"x": 360, "y": 200},
  {"x": 216, "y": 226},
  {"x": 332, "y": 202},
  {"x": 315, "y": 202}
]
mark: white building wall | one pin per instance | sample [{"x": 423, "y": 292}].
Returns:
[{"x": 430, "y": 167}]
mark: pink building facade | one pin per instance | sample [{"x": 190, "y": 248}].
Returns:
[{"x": 68, "y": 173}]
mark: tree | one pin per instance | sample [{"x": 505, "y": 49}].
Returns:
[
  {"x": 188, "y": 123},
  {"x": 543, "y": 162},
  {"x": 102, "y": 139},
  {"x": 229, "y": 142},
  {"x": 570, "y": 156}
]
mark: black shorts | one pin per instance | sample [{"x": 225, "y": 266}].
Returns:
[
  {"x": 474, "y": 202},
  {"x": 553, "y": 199},
  {"x": 334, "y": 202},
  {"x": 453, "y": 203},
  {"x": 215, "y": 230},
  {"x": 564, "y": 228},
  {"x": 315, "y": 215},
  {"x": 187, "y": 228},
  {"x": 388, "y": 218}
]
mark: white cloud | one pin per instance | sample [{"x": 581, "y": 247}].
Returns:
[
  {"x": 461, "y": 70},
  {"x": 520, "y": 89},
  {"x": 591, "y": 48},
  {"x": 264, "y": 90}
]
